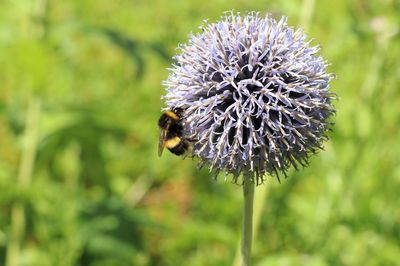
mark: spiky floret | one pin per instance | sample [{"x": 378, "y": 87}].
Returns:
[{"x": 255, "y": 95}]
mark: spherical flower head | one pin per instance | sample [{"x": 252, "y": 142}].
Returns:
[{"x": 254, "y": 94}]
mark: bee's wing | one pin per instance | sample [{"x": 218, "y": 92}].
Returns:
[{"x": 161, "y": 142}]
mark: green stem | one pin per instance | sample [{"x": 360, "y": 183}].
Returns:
[
  {"x": 260, "y": 195},
  {"x": 23, "y": 181},
  {"x": 31, "y": 29},
  {"x": 307, "y": 13},
  {"x": 247, "y": 227}
]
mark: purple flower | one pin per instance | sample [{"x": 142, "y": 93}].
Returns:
[{"x": 254, "y": 94}]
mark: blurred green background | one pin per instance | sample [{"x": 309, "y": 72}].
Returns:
[{"x": 80, "y": 179}]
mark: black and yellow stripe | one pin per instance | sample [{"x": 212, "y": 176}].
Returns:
[
  {"x": 176, "y": 145},
  {"x": 171, "y": 135}
]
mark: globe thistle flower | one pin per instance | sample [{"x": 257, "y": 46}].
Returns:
[{"x": 254, "y": 94}]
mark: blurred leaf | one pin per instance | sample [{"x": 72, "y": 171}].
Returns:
[{"x": 132, "y": 47}]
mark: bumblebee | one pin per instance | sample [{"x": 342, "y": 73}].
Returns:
[{"x": 171, "y": 135}]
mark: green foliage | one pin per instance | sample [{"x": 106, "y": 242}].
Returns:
[{"x": 96, "y": 193}]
